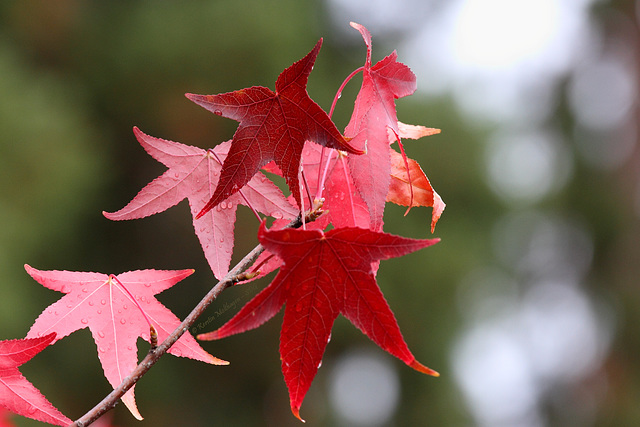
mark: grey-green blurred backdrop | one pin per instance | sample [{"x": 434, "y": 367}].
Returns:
[{"x": 528, "y": 307}]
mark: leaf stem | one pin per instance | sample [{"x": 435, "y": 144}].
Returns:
[
  {"x": 232, "y": 277},
  {"x": 406, "y": 165},
  {"x": 113, "y": 277},
  {"x": 333, "y": 106}
]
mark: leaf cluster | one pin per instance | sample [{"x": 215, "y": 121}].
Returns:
[{"x": 326, "y": 239}]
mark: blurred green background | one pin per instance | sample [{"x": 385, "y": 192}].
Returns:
[{"x": 529, "y": 307}]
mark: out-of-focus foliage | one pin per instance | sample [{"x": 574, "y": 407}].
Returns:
[{"x": 76, "y": 76}]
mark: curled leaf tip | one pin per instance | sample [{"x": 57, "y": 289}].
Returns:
[
  {"x": 209, "y": 336},
  {"x": 296, "y": 413},
  {"x": 421, "y": 368},
  {"x": 220, "y": 362}
]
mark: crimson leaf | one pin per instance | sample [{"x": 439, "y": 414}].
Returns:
[
  {"x": 323, "y": 275},
  {"x": 273, "y": 126}
]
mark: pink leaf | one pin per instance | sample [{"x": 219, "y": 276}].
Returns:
[
  {"x": 373, "y": 113},
  {"x": 96, "y": 301},
  {"x": 193, "y": 174}
]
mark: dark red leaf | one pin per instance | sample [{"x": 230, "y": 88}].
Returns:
[
  {"x": 273, "y": 126},
  {"x": 323, "y": 275}
]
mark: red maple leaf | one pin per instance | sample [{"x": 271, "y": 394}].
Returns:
[
  {"x": 374, "y": 112},
  {"x": 193, "y": 174},
  {"x": 323, "y": 275},
  {"x": 273, "y": 126},
  {"x": 105, "y": 304},
  {"x": 16, "y": 393}
]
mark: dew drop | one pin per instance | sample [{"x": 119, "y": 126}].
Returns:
[
  {"x": 85, "y": 290},
  {"x": 142, "y": 298},
  {"x": 99, "y": 311},
  {"x": 217, "y": 112},
  {"x": 124, "y": 306},
  {"x": 148, "y": 285},
  {"x": 129, "y": 348},
  {"x": 101, "y": 334},
  {"x": 84, "y": 321},
  {"x": 103, "y": 302},
  {"x": 319, "y": 364},
  {"x": 123, "y": 321},
  {"x": 223, "y": 205},
  {"x": 177, "y": 175},
  {"x": 90, "y": 303},
  {"x": 101, "y": 349},
  {"x": 329, "y": 338},
  {"x": 218, "y": 208}
]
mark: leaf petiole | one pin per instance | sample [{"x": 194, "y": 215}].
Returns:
[
  {"x": 114, "y": 278},
  {"x": 406, "y": 165},
  {"x": 333, "y": 106}
]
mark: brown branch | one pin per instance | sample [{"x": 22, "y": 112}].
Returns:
[{"x": 232, "y": 277}]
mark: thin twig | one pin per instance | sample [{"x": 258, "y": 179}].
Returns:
[{"x": 232, "y": 277}]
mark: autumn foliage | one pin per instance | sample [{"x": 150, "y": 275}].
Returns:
[{"x": 326, "y": 237}]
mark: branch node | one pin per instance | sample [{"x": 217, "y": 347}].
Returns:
[
  {"x": 247, "y": 275},
  {"x": 153, "y": 335}
]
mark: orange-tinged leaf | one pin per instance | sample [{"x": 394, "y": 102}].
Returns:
[{"x": 400, "y": 187}]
